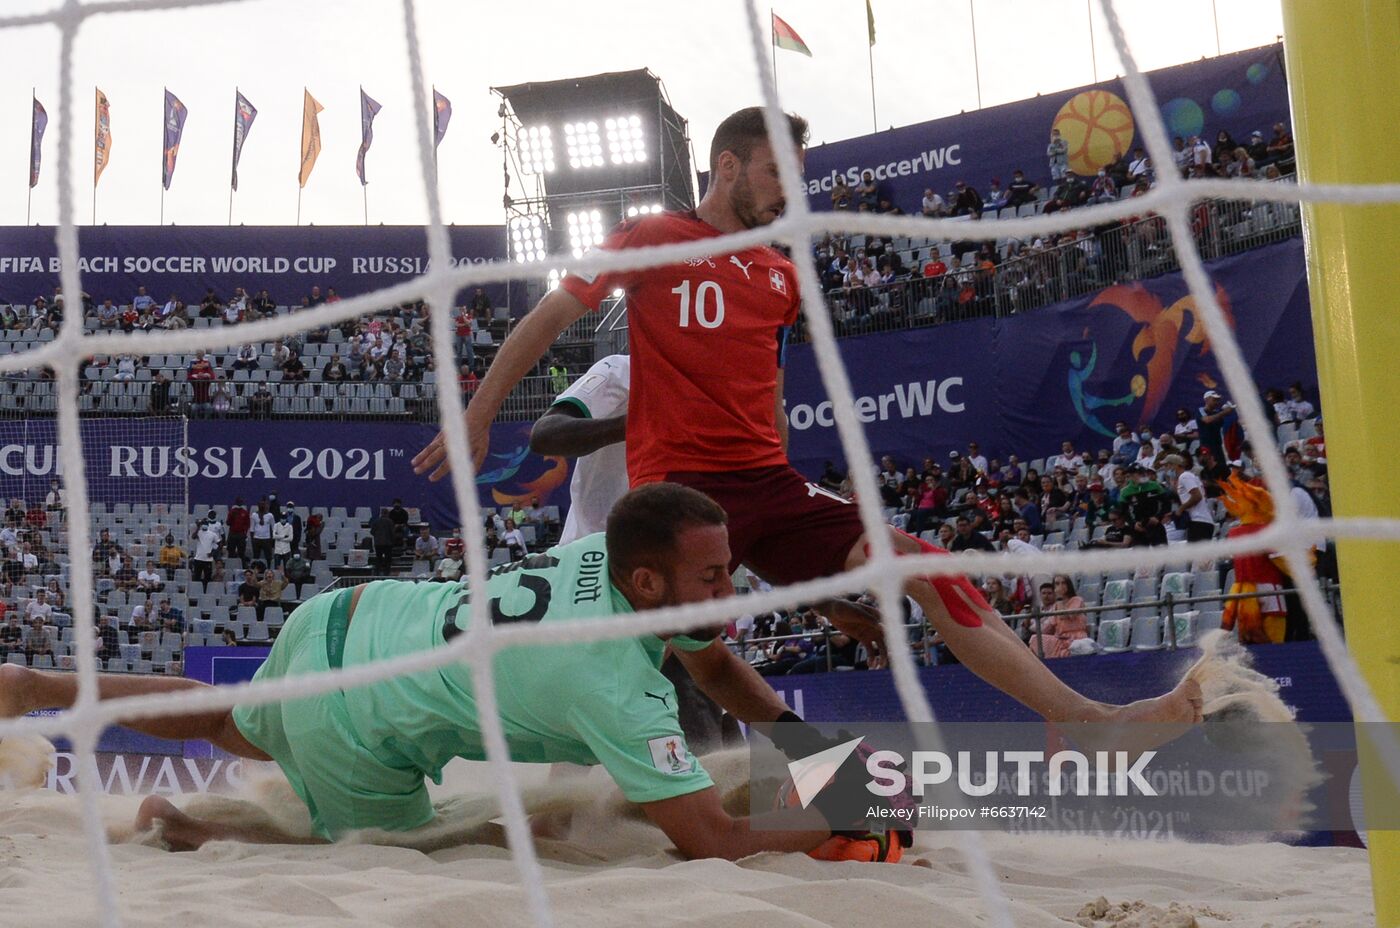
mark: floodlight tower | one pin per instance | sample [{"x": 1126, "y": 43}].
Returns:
[{"x": 581, "y": 155}]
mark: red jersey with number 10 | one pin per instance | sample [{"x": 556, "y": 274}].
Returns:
[{"x": 706, "y": 338}]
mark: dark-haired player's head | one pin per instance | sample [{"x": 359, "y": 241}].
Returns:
[
  {"x": 743, "y": 169},
  {"x": 668, "y": 544}
]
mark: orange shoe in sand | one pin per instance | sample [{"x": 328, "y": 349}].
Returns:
[{"x": 872, "y": 847}]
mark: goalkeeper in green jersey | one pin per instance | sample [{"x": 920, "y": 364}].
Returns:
[{"x": 359, "y": 758}]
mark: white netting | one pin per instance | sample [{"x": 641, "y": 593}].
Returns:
[{"x": 1172, "y": 199}]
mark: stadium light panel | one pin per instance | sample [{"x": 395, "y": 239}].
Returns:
[
  {"x": 536, "y": 145},
  {"x": 527, "y": 238},
  {"x": 626, "y": 140},
  {"x": 584, "y": 145},
  {"x": 585, "y": 230},
  {"x": 554, "y": 278},
  {"x": 635, "y": 211}
]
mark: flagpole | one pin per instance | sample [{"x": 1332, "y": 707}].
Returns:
[
  {"x": 874, "y": 118},
  {"x": 432, "y": 119},
  {"x": 232, "y": 166},
  {"x": 976, "y": 67},
  {"x": 29, "y": 203},
  {"x": 1215, "y": 15},
  {"x": 773, "y": 41},
  {"x": 364, "y": 189},
  {"x": 162, "y": 159},
  {"x": 1093, "y": 56},
  {"x": 298, "y": 204}
]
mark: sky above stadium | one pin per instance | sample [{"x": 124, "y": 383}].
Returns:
[{"x": 270, "y": 49}]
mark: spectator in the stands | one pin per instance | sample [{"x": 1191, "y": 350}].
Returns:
[
  {"x": 385, "y": 534},
  {"x": 1064, "y": 624},
  {"x": 149, "y": 579},
  {"x": 167, "y": 617},
  {"x": 207, "y": 538},
  {"x": 1192, "y": 511},
  {"x": 315, "y": 526},
  {"x": 124, "y": 575},
  {"x": 1215, "y": 418},
  {"x": 38, "y": 645},
  {"x": 966, "y": 200},
  {"x": 171, "y": 556},
  {"x": 975, "y": 458},
  {"x": 210, "y": 306},
  {"x": 314, "y": 298},
  {"x": 1054, "y": 504},
  {"x": 334, "y": 370},
  {"x": 968, "y": 540},
  {"x": 108, "y": 315},
  {"x": 1021, "y": 190},
  {"x": 247, "y": 358},
  {"x": 260, "y": 402},
  {"x": 1298, "y": 405},
  {"x": 1186, "y": 430},
  {"x": 513, "y": 540},
  {"x": 221, "y": 398},
  {"x": 1057, "y": 153},
  {"x": 933, "y": 205},
  {"x": 1027, "y": 509},
  {"x": 260, "y": 522},
  {"x": 298, "y": 568},
  {"x": 399, "y": 515},
  {"x": 426, "y": 547},
  {"x": 293, "y": 371},
  {"x": 1147, "y": 502},
  {"x": 238, "y": 522},
  {"x": 451, "y": 564},
  {"x": 262, "y": 304},
  {"x": 1140, "y": 168},
  {"x": 1068, "y": 458},
  {"x": 142, "y": 301},
  {"x": 840, "y": 194},
  {"x": 200, "y": 374},
  {"x": 868, "y": 191},
  {"x": 270, "y": 590},
  {"x": 282, "y": 538},
  {"x": 1104, "y": 189},
  {"x": 248, "y": 588}
]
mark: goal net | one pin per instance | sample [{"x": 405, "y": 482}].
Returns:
[{"x": 92, "y": 492}]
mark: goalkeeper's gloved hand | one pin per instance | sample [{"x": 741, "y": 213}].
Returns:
[
  {"x": 845, "y": 801},
  {"x": 864, "y": 846}
]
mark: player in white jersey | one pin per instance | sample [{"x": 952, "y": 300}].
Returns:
[{"x": 588, "y": 421}]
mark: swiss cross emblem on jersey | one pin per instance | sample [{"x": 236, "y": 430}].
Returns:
[{"x": 778, "y": 281}]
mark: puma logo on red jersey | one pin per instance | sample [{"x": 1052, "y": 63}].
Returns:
[{"x": 734, "y": 260}]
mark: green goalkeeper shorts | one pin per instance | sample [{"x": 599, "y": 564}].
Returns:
[{"x": 344, "y": 786}]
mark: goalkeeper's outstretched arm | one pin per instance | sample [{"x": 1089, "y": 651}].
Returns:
[{"x": 521, "y": 351}]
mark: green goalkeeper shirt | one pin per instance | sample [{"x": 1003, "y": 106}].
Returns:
[{"x": 596, "y": 702}]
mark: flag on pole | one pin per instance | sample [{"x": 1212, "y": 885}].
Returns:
[
  {"x": 310, "y": 135},
  {"x": 174, "y": 127},
  {"x": 243, "y": 115},
  {"x": 368, "y": 110},
  {"x": 870, "y": 21},
  {"x": 36, "y": 140},
  {"x": 442, "y": 115},
  {"x": 784, "y": 36},
  {"x": 102, "y": 138}
]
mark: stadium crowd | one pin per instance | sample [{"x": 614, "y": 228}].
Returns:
[{"x": 876, "y": 283}]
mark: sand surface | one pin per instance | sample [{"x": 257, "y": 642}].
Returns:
[
  {"x": 614, "y": 871},
  {"x": 611, "y": 869}
]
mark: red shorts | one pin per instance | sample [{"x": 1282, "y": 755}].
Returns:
[{"x": 782, "y": 527}]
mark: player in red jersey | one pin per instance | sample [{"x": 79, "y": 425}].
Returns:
[{"x": 707, "y": 338}]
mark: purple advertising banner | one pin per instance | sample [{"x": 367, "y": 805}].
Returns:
[
  {"x": 350, "y": 464},
  {"x": 287, "y": 260},
  {"x": 1238, "y": 93},
  {"x": 1132, "y": 352}
]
